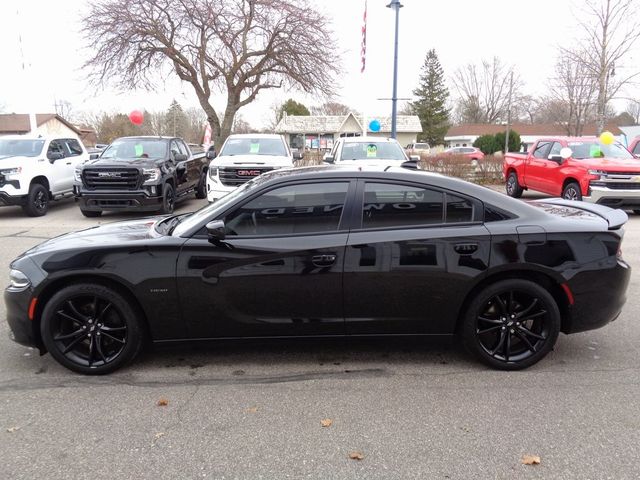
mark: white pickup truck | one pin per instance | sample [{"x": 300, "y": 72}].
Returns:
[
  {"x": 243, "y": 157},
  {"x": 36, "y": 170}
]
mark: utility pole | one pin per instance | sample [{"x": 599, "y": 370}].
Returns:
[
  {"x": 394, "y": 97},
  {"x": 506, "y": 137}
]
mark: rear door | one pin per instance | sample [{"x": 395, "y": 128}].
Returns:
[
  {"x": 414, "y": 254},
  {"x": 279, "y": 270}
]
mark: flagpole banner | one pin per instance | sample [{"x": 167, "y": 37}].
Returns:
[{"x": 363, "y": 48}]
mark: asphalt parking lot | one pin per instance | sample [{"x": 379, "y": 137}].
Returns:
[{"x": 255, "y": 411}]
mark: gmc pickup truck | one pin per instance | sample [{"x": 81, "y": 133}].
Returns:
[
  {"x": 140, "y": 173},
  {"x": 580, "y": 168}
]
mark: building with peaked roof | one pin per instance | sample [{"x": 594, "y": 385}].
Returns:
[
  {"x": 319, "y": 132},
  {"x": 464, "y": 135},
  {"x": 47, "y": 124}
]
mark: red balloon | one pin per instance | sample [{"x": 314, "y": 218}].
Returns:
[{"x": 136, "y": 117}]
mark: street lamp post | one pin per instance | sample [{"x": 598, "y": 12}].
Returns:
[{"x": 394, "y": 97}]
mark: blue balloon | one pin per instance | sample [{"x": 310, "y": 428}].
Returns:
[{"x": 374, "y": 125}]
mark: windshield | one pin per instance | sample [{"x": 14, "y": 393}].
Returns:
[
  {"x": 582, "y": 150},
  {"x": 254, "y": 146},
  {"x": 372, "y": 151},
  {"x": 20, "y": 147},
  {"x": 136, "y": 148},
  {"x": 422, "y": 146}
]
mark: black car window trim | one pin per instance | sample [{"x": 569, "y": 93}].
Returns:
[
  {"x": 343, "y": 226},
  {"x": 356, "y": 216}
]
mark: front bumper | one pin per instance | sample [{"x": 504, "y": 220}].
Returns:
[
  {"x": 21, "y": 328},
  {"x": 216, "y": 191},
  {"x": 614, "y": 197},
  {"x": 138, "y": 200},
  {"x": 8, "y": 200}
]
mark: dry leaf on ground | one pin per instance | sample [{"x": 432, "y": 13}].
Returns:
[
  {"x": 531, "y": 460},
  {"x": 326, "y": 422},
  {"x": 252, "y": 410},
  {"x": 163, "y": 402},
  {"x": 160, "y": 434},
  {"x": 356, "y": 456},
  {"x": 13, "y": 429}
]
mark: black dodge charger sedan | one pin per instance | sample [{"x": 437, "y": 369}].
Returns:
[{"x": 327, "y": 251}]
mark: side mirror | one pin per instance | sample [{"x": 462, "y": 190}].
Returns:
[
  {"x": 414, "y": 158},
  {"x": 179, "y": 157},
  {"x": 53, "y": 156},
  {"x": 556, "y": 158},
  {"x": 329, "y": 159},
  {"x": 298, "y": 156},
  {"x": 211, "y": 154},
  {"x": 93, "y": 156},
  {"x": 215, "y": 231},
  {"x": 411, "y": 164},
  {"x": 566, "y": 152}
]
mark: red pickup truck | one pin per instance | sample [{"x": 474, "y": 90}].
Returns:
[{"x": 578, "y": 168}]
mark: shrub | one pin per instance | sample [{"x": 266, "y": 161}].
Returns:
[{"x": 487, "y": 144}]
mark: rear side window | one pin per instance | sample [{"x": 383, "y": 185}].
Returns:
[
  {"x": 389, "y": 205},
  {"x": 290, "y": 210},
  {"x": 459, "y": 209}
]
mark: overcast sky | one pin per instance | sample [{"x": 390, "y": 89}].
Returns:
[{"x": 525, "y": 33}]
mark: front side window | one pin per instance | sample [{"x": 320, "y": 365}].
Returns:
[
  {"x": 541, "y": 150},
  {"x": 391, "y": 205},
  {"x": 55, "y": 147},
  {"x": 291, "y": 210},
  {"x": 555, "y": 149},
  {"x": 73, "y": 147},
  {"x": 636, "y": 149}
]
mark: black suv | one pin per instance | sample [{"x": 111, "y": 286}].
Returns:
[{"x": 140, "y": 173}]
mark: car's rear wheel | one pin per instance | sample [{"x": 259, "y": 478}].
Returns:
[
  {"x": 511, "y": 324},
  {"x": 513, "y": 186},
  {"x": 168, "y": 199},
  {"x": 91, "y": 329},
  {"x": 37, "y": 201},
  {"x": 91, "y": 213},
  {"x": 201, "y": 190},
  {"x": 571, "y": 191}
]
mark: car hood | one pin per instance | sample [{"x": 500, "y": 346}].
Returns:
[
  {"x": 121, "y": 162},
  {"x": 252, "y": 160},
  {"x": 612, "y": 164},
  {"x": 125, "y": 233}
]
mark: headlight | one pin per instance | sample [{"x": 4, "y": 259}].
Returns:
[
  {"x": 17, "y": 279},
  {"x": 151, "y": 175},
  {"x": 596, "y": 172},
  {"x": 213, "y": 172},
  {"x": 11, "y": 172},
  {"x": 77, "y": 175}
]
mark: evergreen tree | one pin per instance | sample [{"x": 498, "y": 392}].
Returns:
[{"x": 431, "y": 105}]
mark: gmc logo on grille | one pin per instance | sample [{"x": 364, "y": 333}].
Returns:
[
  {"x": 109, "y": 174},
  {"x": 248, "y": 173}
]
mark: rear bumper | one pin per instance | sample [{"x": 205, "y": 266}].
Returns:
[
  {"x": 139, "y": 201},
  {"x": 613, "y": 198}
]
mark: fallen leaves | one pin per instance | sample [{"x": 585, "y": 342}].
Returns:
[
  {"x": 530, "y": 460},
  {"x": 356, "y": 456},
  {"x": 159, "y": 434},
  {"x": 252, "y": 410},
  {"x": 327, "y": 422},
  {"x": 163, "y": 402},
  {"x": 13, "y": 429}
]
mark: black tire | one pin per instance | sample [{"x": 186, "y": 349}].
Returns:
[
  {"x": 513, "y": 186},
  {"x": 511, "y": 324},
  {"x": 637, "y": 212},
  {"x": 91, "y": 213},
  {"x": 37, "y": 201},
  {"x": 201, "y": 190},
  {"x": 168, "y": 199},
  {"x": 571, "y": 191},
  {"x": 91, "y": 329}
]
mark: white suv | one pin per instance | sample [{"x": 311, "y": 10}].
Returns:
[
  {"x": 243, "y": 157},
  {"x": 36, "y": 170}
]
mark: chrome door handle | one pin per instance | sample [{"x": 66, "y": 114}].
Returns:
[{"x": 325, "y": 260}]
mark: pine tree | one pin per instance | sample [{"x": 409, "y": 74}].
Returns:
[{"x": 431, "y": 105}]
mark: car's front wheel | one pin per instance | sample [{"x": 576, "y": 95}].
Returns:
[
  {"x": 513, "y": 186},
  {"x": 37, "y": 201},
  {"x": 168, "y": 199},
  {"x": 572, "y": 191},
  {"x": 201, "y": 190},
  {"x": 511, "y": 324},
  {"x": 91, "y": 329}
]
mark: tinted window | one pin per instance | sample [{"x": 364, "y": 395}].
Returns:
[
  {"x": 458, "y": 209},
  {"x": 541, "y": 150},
  {"x": 387, "y": 205},
  {"x": 73, "y": 147},
  {"x": 289, "y": 210},
  {"x": 55, "y": 147}
]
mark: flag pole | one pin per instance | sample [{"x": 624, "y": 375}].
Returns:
[{"x": 363, "y": 58}]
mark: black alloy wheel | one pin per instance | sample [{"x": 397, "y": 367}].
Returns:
[
  {"x": 201, "y": 190},
  {"x": 513, "y": 187},
  {"x": 91, "y": 329},
  {"x": 572, "y": 191},
  {"x": 168, "y": 199},
  {"x": 37, "y": 201},
  {"x": 511, "y": 324}
]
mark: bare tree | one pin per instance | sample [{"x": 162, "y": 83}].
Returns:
[
  {"x": 483, "y": 92},
  {"x": 633, "y": 108},
  {"x": 238, "y": 48},
  {"x": 331, "y": 108},
  {"x": 240, "y": 125},
  {"x": 610, "y": 32},
  {"x": 64, "y": 108}
]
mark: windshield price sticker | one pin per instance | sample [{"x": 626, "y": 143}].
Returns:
[
  {"x": 139, "y": 150},
  {"x": 372, "y": 151},
  {"x": 254, "y": 148}
]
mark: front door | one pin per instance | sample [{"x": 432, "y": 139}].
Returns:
[
  {"x": 277, "y": 273},
  {"x": 538, "y": 167},
  {"x": 409, "y": 264}
]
